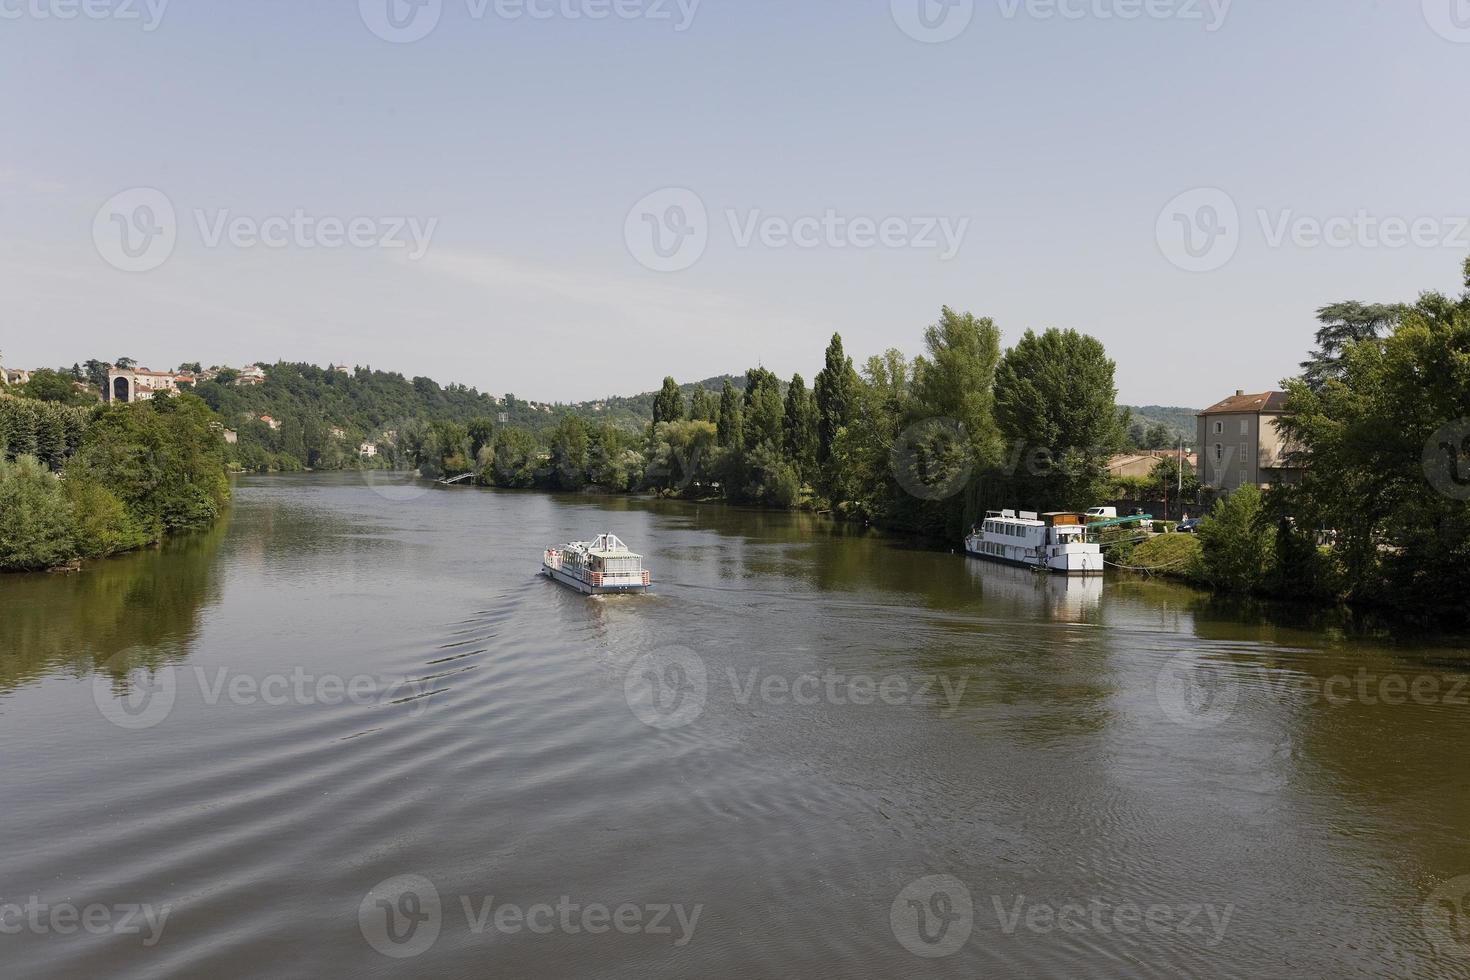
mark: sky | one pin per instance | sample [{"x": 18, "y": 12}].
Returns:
[{"x": 566, "y": 199}]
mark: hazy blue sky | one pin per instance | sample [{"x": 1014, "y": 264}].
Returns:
[{"x": 520, "y": 145}]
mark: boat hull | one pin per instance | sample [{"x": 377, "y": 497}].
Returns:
[
  {"x": 1080, "y": 569},
  {"x": 573, "y": 582}
]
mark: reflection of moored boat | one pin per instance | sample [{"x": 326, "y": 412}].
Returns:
[
  {"x": 1023, "y": 593},
  {"x": 1047, "y": 542},
  {"x": 601, "y": 567}
]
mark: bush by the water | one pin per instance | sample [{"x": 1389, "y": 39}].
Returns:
[{"x": 1237, "y": 543}]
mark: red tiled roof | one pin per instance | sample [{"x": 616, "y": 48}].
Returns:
[{"x": 1266, "y": 401}]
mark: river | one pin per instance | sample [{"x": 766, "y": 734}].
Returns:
[{"x": 350, "y": 732}]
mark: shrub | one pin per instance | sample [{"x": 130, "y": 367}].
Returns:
[
  {"x": 1237, "y": 550},
  {"x": 100, "y": 523},
  {"x": 35, "y": 518}
]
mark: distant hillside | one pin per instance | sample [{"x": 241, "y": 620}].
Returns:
[
  {"x": 636, "y": 411},
  {"x": 1179, "y": 422},
  {"x": 363, "y": 402}
]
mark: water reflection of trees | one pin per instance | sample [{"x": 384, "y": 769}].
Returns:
[
  {"x": 1325, "y": 703},
  {"x": 144, "y": 606}
]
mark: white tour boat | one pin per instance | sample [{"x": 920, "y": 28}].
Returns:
[
  {"x": 601, "y": 567},
  {"x": 1047, "y": 542}
]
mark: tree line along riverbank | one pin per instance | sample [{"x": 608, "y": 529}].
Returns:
[
  {"x": 1378, "y": 421},
  {"x": 79, "y": 482}
]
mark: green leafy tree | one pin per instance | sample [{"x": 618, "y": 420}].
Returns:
[
  {"x": 770, "y": 478},
  {"x": 96, "y": 372},
  {"x": 763, "y": 410},
  {"x": 702, "y": 406},
  {"x": 1236, "y": 541},
  {"x": 517, "y": 458},
  {"x": 163, "y": 458},
  {"x": 956, "y": 378},
  {"x": 611, "y": 462},
  {"x": 864, "y": 483},
  {"x": 54, "y": 386},
  {"x": 669, "y": 405},
  {"x": 569, "y": 453},
  {"x": 1158, "y": 437},
  {"x": 1342, "y": 325},
  {"x": 1386, "y": 462},
  {"x": 101, "y": 524},
  {"x": 482, "y": 434},
  {"x": 835, "y": 389},
  {"x": 36, "y": 528},
  {"x": 730, "y": 425},
  {"x": 1055, "y": 395},
  {"x": 681, "y": 456},
  {"x": 799, "y": 429}
]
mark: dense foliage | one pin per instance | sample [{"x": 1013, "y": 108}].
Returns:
[
  {"x": 924, "y": 445},
  {"x": 83, "y": 484},
  {"x": 1383, "y": 431},
  {"x": 1380, "y": 427}
]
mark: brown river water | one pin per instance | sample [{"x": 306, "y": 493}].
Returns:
[{"x": 351, "y": 732}]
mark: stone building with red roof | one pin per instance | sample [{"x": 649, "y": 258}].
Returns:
[{"x": 1239, "y": 444}]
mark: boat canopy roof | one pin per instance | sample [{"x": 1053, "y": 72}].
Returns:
[{"x": 605, "y": 546}]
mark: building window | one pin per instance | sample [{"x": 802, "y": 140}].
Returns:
[
  {"x": 1245, "y": 427},
  {"x": 1219, "y": 427},
  {"x": 1219, "y": 452}
]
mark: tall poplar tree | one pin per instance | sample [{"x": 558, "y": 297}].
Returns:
[
  {"x": 834, "y": 386},
  {"x": 728, "y": 427},
  {"x": 800, "y": 428},
  {"x": 668, "y": 404}
]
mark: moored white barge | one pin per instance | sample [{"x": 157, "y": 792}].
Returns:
[
  {"x": 603, "y": 566},
  {"x": 1047, "y": 542}
]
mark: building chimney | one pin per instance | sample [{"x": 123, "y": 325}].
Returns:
[{"x": 1239, "y": 392}]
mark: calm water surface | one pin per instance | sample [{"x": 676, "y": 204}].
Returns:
[{"x": 791, "y": 740}]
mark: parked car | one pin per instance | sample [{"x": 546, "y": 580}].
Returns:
[
  {"x": 1102, "y": 513},
  {"x": 1188, "y": 525}
]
